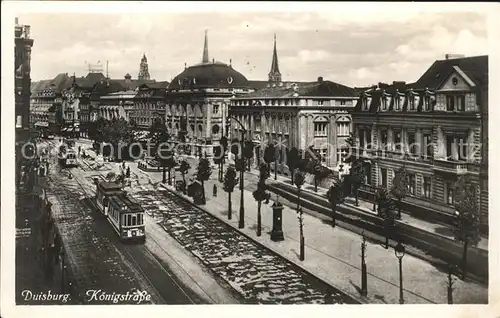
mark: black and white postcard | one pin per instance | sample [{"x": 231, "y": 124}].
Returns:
[{"x": 253, "y": 153}]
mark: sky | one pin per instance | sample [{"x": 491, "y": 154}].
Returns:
[{"x": 354, "y": 48}]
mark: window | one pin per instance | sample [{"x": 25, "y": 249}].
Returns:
[
  {"x": 427, "y": 187},
  {"x": 449, "y": 193},
  {"x": 384, "y": 103},
  {"x": 428, "y": 145},
  {"x": 383, "y": 139},
  {"x": 134, "y": 219},
  {"x": 411, "y": 102},
  {"x": 342, "y": 102},
  {"x": 455, "y": 103},
  {"x": 343, "y": 129},
  {"x": 450, "y": 140},
  {"x": 368, "y": 139},
  {"x": 462, "y": 148},
  {"x": 396, "y": 103},
  {"x": 320, "y": 103},
  {"x": 361, "y": 139},
  {"x": 365, "y": 103},
  {"x": 397, "y": 140},
  {"x": 383, "y": 175},
  {"x": 412, "y": 146},
  {"x": 411, "y": 183},
  {"x": 368, "y": 173},
  {"x": 319, "y": 129},
  {"x": 19, "y": 122},
  {"x": 129, "y": 220}
]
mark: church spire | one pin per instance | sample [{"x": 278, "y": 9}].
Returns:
[
  {"x": 274, "y": 74},
  {"x": 205, "y": 49},
  {"x": 143, "y": 69}
]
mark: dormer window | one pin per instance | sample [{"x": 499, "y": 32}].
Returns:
[
  {"x": 455, "y": 103},
  {"x": 411, "y": 102},
  {"x": 396, "y": 103},
  {"x": 384, "y": 103},
  {"x": 320, "y": 103}
]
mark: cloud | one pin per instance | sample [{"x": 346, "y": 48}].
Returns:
[{"x": 354, "y": 45}]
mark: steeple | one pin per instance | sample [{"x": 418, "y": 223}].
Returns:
[
  {"x": 205, "y": 50},
  {"x": 143, "y": 69},
  {"x": 274, "y": 74}
]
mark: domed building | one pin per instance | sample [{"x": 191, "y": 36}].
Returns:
[{"x": 197, "y": 102}]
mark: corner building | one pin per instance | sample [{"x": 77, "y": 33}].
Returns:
[
  {"x": 436, "y": 128},
  {"x": 296, "y": 114},
  {"x": 197, "y": 102}
]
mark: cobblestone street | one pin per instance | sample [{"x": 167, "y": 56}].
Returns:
[{"x": 259, "y": 275}]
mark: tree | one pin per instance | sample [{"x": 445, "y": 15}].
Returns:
[
  {"x": 320, "y": 173},
  {"x": 400, "y": 187},
  {"x": 334, "y": 196},
  {"x": 387, "y": 210},
  {"x": 261, "y": 194},
  {"x": 203, "y": 174},
  {"x": 466, "y": 215},
  {"x": 248, "y": 151},
  {"x": 292, "y": 161},
  {"x": 223, "y": 142},
  {"x": 269, "y": 155},
  {"x": 356, "y": 177},
  {"x": 299, "y": 182},
  {"x": 230, "y": 181},
  {"x": 218, "y": 159},
  {"x": 111, "y": 176}
]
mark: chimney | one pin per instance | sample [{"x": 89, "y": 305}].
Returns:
[
  {"x": 320, "y": 79},
  {"x": 450, "y": 56},
  {"x": 17, "y": 21}
]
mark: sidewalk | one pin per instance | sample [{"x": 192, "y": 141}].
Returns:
[
  {"x": 367, "y": 206},
  {"x": 333, "y": 254}
]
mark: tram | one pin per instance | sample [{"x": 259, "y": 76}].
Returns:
[
  {"x": 124, "y": 213},
  {"x": 67, "y": 157}
]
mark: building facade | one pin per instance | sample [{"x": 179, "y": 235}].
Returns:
[
  {"x": 22, "y": 59},
  {"x": 435, "y": 128},
  {"x": 197, "y": 101},
  {"x": 300, "y": 115},
  {"x": 117, "y": 105},
  {"x": 149, "y": 103}
]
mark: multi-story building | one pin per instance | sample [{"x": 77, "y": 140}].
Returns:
[
  {"x": 295, "y": 114},
  {"x": 436, "y": 128},
  {"x": 117, "y": 105},
  {"x": 47, "y": 100},
  {"x": 197, "y": 100},
  {"x": 22, "y": 67},
  {"x": 149, "y": 103}
]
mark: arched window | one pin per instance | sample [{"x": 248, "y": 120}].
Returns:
[
  {"x": 200, "y": 130},
  {"x": 215, "y": 129}
]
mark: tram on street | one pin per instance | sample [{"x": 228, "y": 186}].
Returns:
[
  {"x": 124, "y": 213},
  {"x": 67, "y": 157}
]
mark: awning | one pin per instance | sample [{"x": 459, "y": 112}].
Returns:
[{"x": 42, "y": 124}]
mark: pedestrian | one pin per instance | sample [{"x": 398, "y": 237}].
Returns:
[
  {"x": 128, "y": 172},
  {"x": 79, "y": 149}
]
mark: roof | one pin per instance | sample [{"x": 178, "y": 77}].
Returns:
[
  {"x": 156, "y": 85},
  {"x": 110, "y": 186},
  {"x": 126, "y": 203},
  {"x": 319, "y": 88},
  {"x": 133, "y": 83},
  {"x": 203, "y": 75},
  {"x": 258, "y": 84},
  {"x": 104, "y": 88},
  {"x": 474, "y": 67}
]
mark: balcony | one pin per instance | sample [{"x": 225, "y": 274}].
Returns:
[{"x": 454, "y": 167}]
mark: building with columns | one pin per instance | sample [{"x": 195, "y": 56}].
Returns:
[
  {"x": 436, "y": 128},
  {"x": 197, "y": 100},
  {"x": 295, "y": 114},
  {"x": 149, "y": 103}
]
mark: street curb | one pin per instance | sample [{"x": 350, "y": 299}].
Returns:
[{"x": 355, "y": 297}]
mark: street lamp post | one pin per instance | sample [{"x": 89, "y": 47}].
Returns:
[{"x": 399, "y": 250}]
